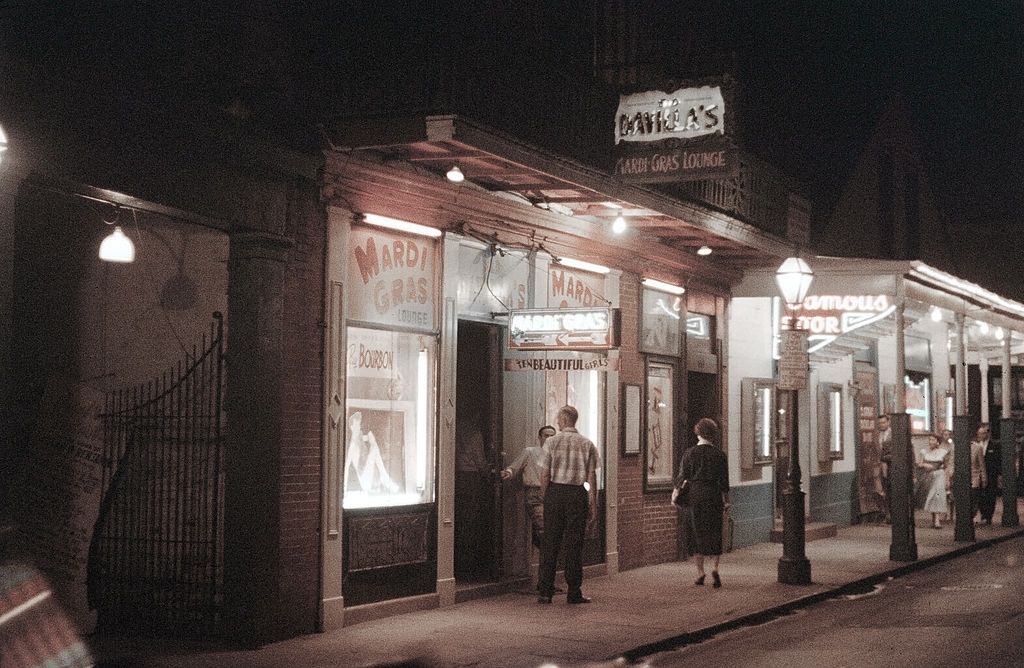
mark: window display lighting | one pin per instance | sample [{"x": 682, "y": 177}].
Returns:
[
  {"x": 580, "y": 264},
  {"x": 401, "y": 225},
  {"x": 655, "y": 284}
]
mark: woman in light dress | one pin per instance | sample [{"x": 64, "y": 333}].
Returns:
[{"x": 935, "y": 464}]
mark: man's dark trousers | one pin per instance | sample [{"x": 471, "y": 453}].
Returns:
[
  {"x": 993, "y": 468},
  {"x": 565, "y": 514}
]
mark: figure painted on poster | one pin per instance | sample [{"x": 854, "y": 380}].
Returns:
[{"x": 363, "y": 457}]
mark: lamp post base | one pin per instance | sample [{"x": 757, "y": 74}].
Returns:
[{"x": 794, "y": 571}]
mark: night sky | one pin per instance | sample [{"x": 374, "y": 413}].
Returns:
[{"x": 815, "y": 76}]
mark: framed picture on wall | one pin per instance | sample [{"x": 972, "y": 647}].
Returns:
[{"x": 632, "y": 419}]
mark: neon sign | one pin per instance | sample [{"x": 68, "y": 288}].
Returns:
[{"x": 827, "y": 317}]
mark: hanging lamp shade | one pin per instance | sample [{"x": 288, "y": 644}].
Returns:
[
  {"x": 794, "y": 278},
  {"x": 117, "y": 247}
]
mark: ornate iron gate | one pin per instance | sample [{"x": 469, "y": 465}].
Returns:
[{"x": 156, "y": 556}]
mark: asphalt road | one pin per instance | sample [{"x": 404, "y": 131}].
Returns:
[{"x": 968, "y": 612}]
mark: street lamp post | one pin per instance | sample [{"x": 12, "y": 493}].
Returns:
[{"x": 794, "y": 278}]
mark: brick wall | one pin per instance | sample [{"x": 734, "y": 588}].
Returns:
[
  {"x": 298, "y": 601},
  {"x": 647, "y": 522}
]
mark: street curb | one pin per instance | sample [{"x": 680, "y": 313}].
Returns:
[{"x": 762, "y": 616}]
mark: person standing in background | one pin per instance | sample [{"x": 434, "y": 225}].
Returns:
[
  {"x": 979, "y": 472},
  {"x": 885, "y": 459},
  {"x": 529, "y": 465},
  {"x": 570, "y": 466}
]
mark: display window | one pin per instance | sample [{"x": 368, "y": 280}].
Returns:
[
  {"x": 660, "y": 330},
  {"x": 389, "y": 412},
  {"x": 658, "y": 464}
]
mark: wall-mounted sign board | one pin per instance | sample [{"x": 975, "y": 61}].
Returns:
[{"x": 564, "y": 329}]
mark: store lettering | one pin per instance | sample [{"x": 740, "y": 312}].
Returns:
[
  {"x": 858, "y": 303},
  {"x": 397, "y": 254},
  {"x": 373, "y": 358},
  {"x": 561, "y": 322},
  {"x": 564, "y": 285},
  {"x": 388, "y": 294},
  {"x": 667, "y": 117}
]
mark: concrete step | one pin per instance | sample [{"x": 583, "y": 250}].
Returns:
[{"x": 812, "y": 531}]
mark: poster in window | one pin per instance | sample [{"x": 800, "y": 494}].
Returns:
[
  {"x": 658, "y": 469},
  {"x": 392, "y": 278},
  {"x": 389, "y": 453},
  {"x": 659, "y": 326}
]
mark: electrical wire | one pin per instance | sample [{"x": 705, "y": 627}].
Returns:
[{"x": 152, "y": 284}]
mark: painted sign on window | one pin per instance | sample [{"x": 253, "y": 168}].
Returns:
[
  {"x": 392, "y": 278},
  {"x": 570, "y": 289}
]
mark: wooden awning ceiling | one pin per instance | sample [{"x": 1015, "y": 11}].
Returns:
[{"x": 502, "y": 164}]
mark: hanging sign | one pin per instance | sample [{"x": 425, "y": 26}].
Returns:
[
  {"x": 564, "y": 329},
  {"x": 683, "y": 114},
  {"x": 711, "y": 160},
  {"x": 392, "y": 278},
  {"x": 562, "y": 364}
]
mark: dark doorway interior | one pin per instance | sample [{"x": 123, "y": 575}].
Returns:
[
  {"x": 701, "y": 402},
  {"x": 478, "y": 453}
]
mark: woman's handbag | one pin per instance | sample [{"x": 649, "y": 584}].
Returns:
[{"x": 683, "y": 497}]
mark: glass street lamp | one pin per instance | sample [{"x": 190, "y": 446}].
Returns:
[{"x": 794, "y": 278}]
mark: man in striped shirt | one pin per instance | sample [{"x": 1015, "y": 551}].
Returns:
[{"x": 570, "y": 460}]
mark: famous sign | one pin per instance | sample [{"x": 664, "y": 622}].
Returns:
[
  {"x": 678, "y": 136},
  {"x": 563, "y": 329},
  {"x": 827, "y": 317}
]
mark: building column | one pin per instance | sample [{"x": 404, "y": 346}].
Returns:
[
  {"x": 983, "y": 368},
  {"x": 961, "y": 365},
  {"x": 256, "y": 276},
  {"x": 1007, "y": 375},
  {"x": 1008, "y": 444},
  {"x": 901, "y": 502}
]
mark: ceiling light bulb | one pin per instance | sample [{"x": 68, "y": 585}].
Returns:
[
  {"x": 999, "y": 333},
  {"x": 619, "y": 225},
  {"x": 983, "y": 326},
  {"x": 455, "y": 175},
  {"x": 117, "y": 247},
  {"x": 936, "y": 314},
  {"x": 704, "y": 250}
]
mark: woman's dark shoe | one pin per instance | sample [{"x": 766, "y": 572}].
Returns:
[
  {"x": 717, "y": 580},
  {"x": 699, "y": 581}
]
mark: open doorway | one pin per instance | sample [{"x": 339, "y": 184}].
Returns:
[
  {"x": 701, "y": 402},
  {"x": 478, "y": 526}
]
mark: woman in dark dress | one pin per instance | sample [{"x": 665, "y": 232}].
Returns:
[{"x": 707, "y": 469}]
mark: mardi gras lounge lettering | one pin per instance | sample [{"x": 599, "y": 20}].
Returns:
[
  {"x": 566, "y": 286},
  {"x": 397, "y": 277}
]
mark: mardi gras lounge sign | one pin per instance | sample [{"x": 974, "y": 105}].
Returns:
[
  {"x": 827, "y": 317},
  {"x": 676, "y": 136},
  {"x": 564, "y": 329}
]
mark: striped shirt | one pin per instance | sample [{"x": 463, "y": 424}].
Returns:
[{"x": 570, "y": 457}]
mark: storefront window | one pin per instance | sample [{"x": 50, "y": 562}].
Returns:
[
  {"x": 830, "y": 421},
  {"x": 389, "y": 456},
  {"x": 660, "y": 322},
  {"x": 918, "y": 397},
  {"x": 759, "y": 421},
  {"x": 658, "y": 469}
]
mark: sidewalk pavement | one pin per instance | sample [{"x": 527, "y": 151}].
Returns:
[{"x": 633, "y": 613}]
